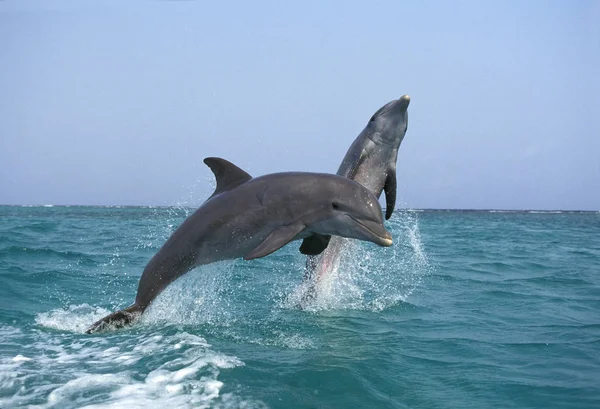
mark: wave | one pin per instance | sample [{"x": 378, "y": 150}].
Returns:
[
  {"x": 174, "y": 369},
  {"x": 544, "y": 211},
  {"x": 37, "y": 227},
  {"x": 43, "y": 253}
]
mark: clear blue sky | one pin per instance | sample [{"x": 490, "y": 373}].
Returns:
[{"x": 111, "y": 103}]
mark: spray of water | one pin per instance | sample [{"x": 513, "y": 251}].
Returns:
[
  {"x": 361, "y": 276},
  {"x": 198, "y": 297}
]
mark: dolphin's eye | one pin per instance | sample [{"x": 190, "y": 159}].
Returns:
[{"x": 335, "y": 206}]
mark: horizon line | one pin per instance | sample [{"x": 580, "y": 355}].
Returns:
[{"x": 422, "y": 209}]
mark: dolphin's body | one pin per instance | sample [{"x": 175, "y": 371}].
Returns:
[
  {"x": 370, "y": 161},
  {"x": 252, "y": 218}
]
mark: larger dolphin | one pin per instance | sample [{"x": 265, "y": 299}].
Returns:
[
  {"x": 371, "y": 161},
  {"x": 252, "y": 218}
]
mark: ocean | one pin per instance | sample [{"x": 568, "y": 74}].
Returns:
[{"x": 476, "y": 309}]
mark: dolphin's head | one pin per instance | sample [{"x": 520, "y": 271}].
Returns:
[
  {"x": 353, "y": 212},
  {"x": 388, "y": 125}
]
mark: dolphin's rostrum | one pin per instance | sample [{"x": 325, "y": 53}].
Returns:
[{"x": 252, "y": 218}]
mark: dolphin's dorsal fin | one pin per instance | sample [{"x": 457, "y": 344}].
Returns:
[{"x": 228, "y": 175}]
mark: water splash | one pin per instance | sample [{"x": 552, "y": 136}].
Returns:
[
  {"x": 77, "y": 371},
  {"x": 74, "y": 318},
  {"x": 198, "y": 297},
  {"x": 367, "y": 277}
]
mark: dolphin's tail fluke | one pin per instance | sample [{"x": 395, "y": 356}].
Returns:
[{"x": 117, "y": 319}]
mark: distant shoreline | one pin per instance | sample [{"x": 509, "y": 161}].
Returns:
[{"x": 417, "y": 210}]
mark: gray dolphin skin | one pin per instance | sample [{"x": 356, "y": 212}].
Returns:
[
  {"x": 370, "y": 161},
  {"x": 253, "y": 217}
]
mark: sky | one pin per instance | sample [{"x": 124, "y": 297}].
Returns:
[{"x": 117, "y": 103}]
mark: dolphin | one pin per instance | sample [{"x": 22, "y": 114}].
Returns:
[
  {"x": 253, "y": 217},
  {"x": 370, "y": 161}
]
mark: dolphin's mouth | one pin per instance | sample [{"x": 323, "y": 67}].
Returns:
[{"x": 376, "y": 233}]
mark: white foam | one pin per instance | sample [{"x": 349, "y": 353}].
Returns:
[
  {"x": 76, "y": 318},
  {"x": 98, "y": 383},
  {"x": 99, "y": 371},
  {"x": 9, "y": 372},
  {"x": 544, "y": 211}
]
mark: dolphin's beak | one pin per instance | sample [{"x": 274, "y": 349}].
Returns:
[
  {"x": 403, "y": 102},
  {"x": 375, "y": 232}
]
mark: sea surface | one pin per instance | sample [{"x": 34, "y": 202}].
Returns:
[{"x": 467, "y": 310}]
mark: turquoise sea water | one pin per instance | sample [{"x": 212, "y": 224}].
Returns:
[{"x": 466, "y": 310}]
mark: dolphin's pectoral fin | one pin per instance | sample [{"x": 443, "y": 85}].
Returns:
[
  {"x": 228, "y": 175},
  {"x": 276, "y": 240},
  {"x": 390, "y": 193},
  {"x": 315, "y": 244}
]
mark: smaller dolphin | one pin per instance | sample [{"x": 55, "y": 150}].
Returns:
[
  {"x": 252, "y": 218},
  {"x": 370, "y": 161}
]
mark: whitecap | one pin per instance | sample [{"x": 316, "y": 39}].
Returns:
[
  {"x": 76, "y": 318},
  {"x": 98, "y": 372}
]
